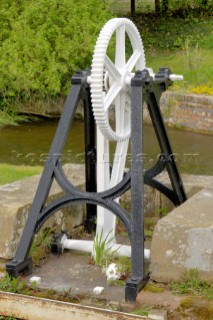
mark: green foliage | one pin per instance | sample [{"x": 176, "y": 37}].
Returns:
[
  {"x": 162, "y": 212},
  {"x": 44, "y": 42},
  {"x": 11, "y": 118},
  {"x": 192, "y": 284},
  {"x": 142, "y": 311},
  {"x": 186, "y": 6},
  {"x": 171, "y": 32},
  {"x": 124, "y": 266},
  {"x": 181, "y": 6},
  {"x": 14, "y": 285}
]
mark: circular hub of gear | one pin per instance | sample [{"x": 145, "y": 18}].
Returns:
[{"x": 110, "y": 78}]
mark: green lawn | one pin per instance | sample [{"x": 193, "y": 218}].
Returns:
[
  {"x": 195, "y": 66},
  {"x": 11, "y": 173}
]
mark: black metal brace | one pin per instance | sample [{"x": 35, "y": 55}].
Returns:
[{"x": 143, "y": 88}]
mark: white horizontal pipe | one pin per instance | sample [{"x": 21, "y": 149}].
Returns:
[
  {"x": 125, "y": 251},
  {"x": 87, "y": 246},
  {"x": 175, "y": 77},
  {"x": 81, "y": 245}
]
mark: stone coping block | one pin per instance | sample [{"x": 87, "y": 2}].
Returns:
[
  {"x": 15, "y": 202},
  {"x": 155, "y": 200},
  {"x": 183, "y": 240}
]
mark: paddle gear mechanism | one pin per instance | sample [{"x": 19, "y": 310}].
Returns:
[{"x": 117, "y": 86}]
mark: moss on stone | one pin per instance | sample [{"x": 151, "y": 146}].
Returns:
[
  {"x": 151, "y": 287},
  {"x": 201, "y": 309}
]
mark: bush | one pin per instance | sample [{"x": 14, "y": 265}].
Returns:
[{"x": 43, "y": 42}]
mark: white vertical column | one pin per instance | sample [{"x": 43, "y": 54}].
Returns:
[
  {"x": 106, "y": 220},
  {"x": 103, "y": 168}
]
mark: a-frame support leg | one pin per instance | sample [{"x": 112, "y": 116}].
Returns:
[
  {"x": 138, "y": 277},
  {"x": 21, "y": 260},
  {"x": 166, "y": 151},
  {"x": 152, "y": 90},
  {"x": 90, "y": 160}
]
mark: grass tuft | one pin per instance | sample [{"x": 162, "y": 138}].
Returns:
[
  {"x": 142, "y": 311},
  {"x": 192, "y": 284},
  {"x": 101, "y": 248}
]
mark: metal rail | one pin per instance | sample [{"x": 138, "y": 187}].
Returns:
[{"x": 28, "y": 307}]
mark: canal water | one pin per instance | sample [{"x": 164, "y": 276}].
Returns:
[{"x": 29, "y": 144}]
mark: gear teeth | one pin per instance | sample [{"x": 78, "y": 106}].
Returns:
[{"x": 97, "y": 72}]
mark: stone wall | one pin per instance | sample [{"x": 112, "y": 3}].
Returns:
[{"x": 188, "y": 111}]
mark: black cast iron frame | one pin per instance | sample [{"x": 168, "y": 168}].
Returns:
[{"x": 143, "y": 88}]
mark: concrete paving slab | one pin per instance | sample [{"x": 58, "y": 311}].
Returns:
[{"x": 73, "y": 270}]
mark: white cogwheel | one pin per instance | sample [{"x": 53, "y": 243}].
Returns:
[{"x": 110, "y": 80}]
